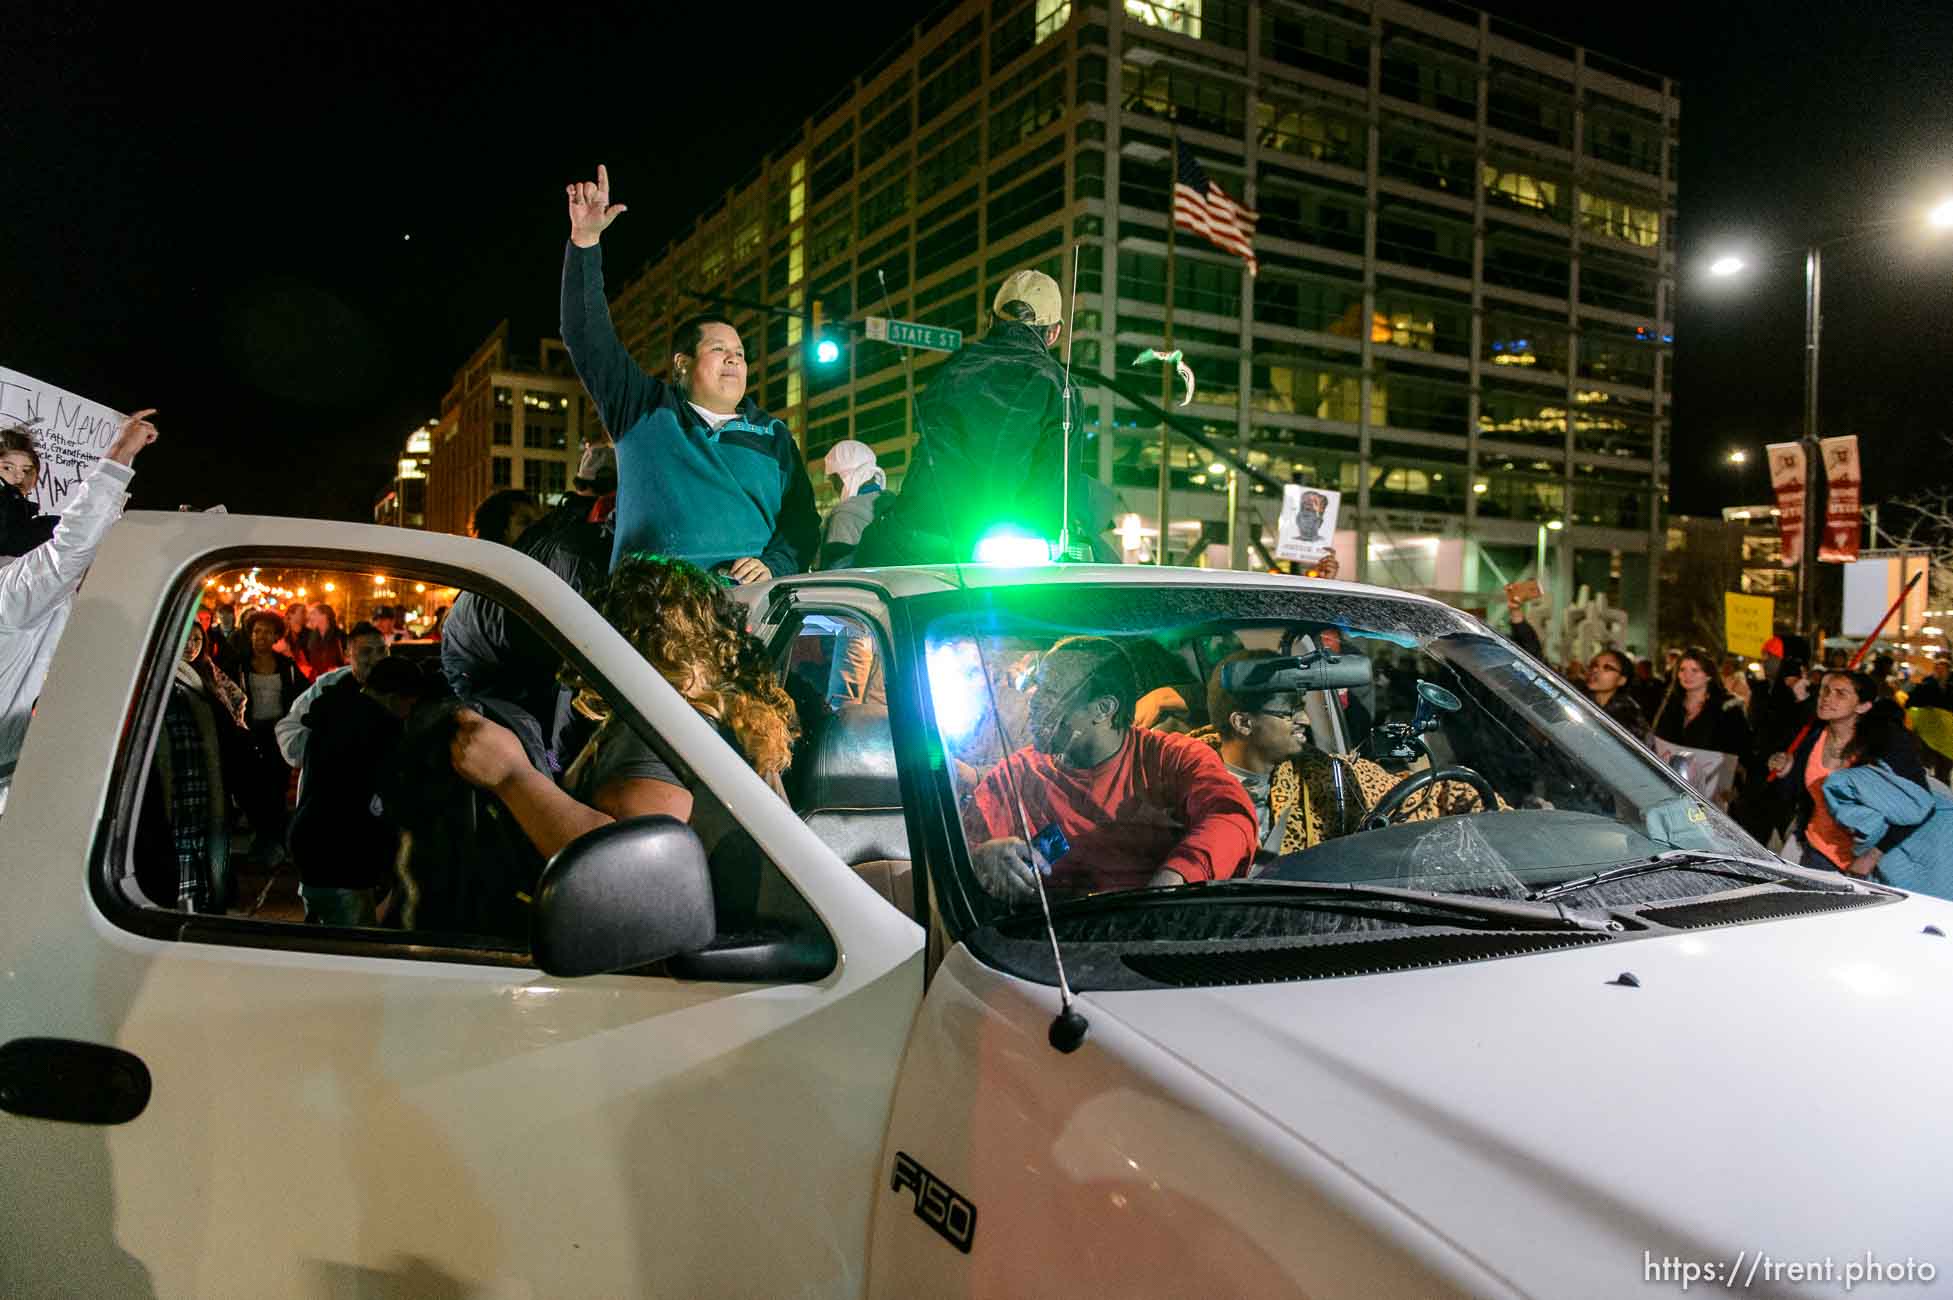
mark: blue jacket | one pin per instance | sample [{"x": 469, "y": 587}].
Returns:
[
  {"x": 1912, "y": 823},
  {"x": 685, "y": 489}
]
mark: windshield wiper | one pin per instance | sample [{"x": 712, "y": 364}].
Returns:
[
  {"x": 1510, "y": 913},
  {"x": 1674, "y": 859}
]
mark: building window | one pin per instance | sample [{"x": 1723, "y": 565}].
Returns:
[
  {"x": 1634, "y": 222},
  {"x": 1178, "y": 16},
  {"x": 1525, "y": 342},
  {"x": 1607, "y": 425},
  {"x": 504, "y": 430},
  {"x": 1306, "y": 304},
  {"x": 1307, "y": 216},
  {"x": 1317, "y": 42},
  {"x": 501, "y": 469},
  {"x": 1307, "y": 133},
  {"x": 1434, "y": 162},
  {"x": 1522, "y": 414},
  {"x": 1051, "y": 15},
  {"x": 1523, "y": 191},
  {"x": 958, "y": 79},
  {"x": 1416, "y": 236},
  {"x": 556, "y": 477},
  {"x": 1172, "y": 92}
]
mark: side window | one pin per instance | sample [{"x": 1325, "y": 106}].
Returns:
[
  {"x": 844, "y": 782},
  {"x": 321, "y": 759}
]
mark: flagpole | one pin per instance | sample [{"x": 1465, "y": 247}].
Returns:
[{"x": 1166, "y": 371}]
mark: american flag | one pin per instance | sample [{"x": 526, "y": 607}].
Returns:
[{"x": 1201, "y": 206}]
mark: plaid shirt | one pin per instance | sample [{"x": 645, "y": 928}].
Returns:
[{"x": 189, "y": 803}]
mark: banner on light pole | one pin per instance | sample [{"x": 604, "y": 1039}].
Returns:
[
  {"x": 1839, "y": 541},
  {"x": 1787, "y": 470}
]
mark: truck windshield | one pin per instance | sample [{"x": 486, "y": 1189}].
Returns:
[{"x": 1124, "y": 737}]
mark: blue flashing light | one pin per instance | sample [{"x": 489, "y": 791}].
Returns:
[{"x": 956, "y": 688}]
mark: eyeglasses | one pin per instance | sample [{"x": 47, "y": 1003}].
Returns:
[{"x": 1285, "y": 714}]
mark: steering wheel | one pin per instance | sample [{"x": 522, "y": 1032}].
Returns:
[{"x": 1394, "y": 801}]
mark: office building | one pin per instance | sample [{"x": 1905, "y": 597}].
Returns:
[
  {"x": 402, "y": 503},
  {"x": 507, "y": 422},
  {"x": 1462, "y": 319}
]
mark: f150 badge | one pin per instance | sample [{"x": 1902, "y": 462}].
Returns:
[{"x": 936, "y": 1204}]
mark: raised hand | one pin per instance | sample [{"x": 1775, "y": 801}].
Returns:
[
  {"x": 135, "y": 434},
  {"x": 591, "y": 210}
]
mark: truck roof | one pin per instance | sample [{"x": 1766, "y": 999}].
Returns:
[{"x": 920, "y": 580}]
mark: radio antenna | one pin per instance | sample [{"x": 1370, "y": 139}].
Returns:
[
  {"x": 1064, "y": 510},
  {"x": 1069, "y": 1025}
]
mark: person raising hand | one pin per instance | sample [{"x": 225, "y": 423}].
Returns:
[
  {"x": 591, "y": 210},
  {"x": 703, "y": 474},
  {"x": 38, "y": 583}
]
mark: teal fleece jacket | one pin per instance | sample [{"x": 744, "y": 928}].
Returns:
[{"x": 683, "y": 488}]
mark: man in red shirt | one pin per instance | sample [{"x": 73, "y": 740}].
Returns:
[{"x": 1136, "y": 808}]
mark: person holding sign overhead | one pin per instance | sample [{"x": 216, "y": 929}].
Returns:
[{"x": 37, "y": 588}]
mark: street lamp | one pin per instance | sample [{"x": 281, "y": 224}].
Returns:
[
  {"x": 1939, "y": 217},
  {"x": 1739, "y": 457}
]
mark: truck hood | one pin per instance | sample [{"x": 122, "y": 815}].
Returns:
[{"x": 1777, "y": 1088}]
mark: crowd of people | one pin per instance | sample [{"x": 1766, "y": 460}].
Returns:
[
  {"x": 1821, "y": 762},
  {"x": 357, "y": 766}
]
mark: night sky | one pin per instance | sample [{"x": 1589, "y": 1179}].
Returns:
[{"x": 206, "y": 213}]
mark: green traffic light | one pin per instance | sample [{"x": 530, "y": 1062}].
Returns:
[{"x": 827, "y": 352}]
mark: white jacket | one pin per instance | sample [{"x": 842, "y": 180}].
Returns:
[{"x": 37, "y": 590}]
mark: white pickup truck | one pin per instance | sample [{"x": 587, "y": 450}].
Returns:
[{"x": 1575, "y": 1038}]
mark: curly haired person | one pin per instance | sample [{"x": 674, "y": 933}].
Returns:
[{"x": 688, "y": 627}]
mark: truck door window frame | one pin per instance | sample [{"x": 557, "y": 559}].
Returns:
[{"x": 110, "y": 867}]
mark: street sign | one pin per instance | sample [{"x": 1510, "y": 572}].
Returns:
[{"x": 909, "y": 334}]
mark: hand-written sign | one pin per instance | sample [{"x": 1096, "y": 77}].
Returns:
[
  {"x": 71, "y": 432},
  {"x": 1747, "y": 622}
]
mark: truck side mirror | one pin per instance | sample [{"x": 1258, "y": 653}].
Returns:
[{"x": 623, "y": 896}]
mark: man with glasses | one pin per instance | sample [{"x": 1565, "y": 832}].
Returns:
[{"x": 1301, "y": 795}]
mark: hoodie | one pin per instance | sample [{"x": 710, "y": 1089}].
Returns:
[{"x": 37, "y": 592}]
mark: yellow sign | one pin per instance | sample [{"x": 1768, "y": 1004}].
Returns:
[{"x": 1747, "y": 622}]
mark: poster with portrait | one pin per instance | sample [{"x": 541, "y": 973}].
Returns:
[
  {"x": 72, "y": 432},
  {"x": 1307, "y": 528}
]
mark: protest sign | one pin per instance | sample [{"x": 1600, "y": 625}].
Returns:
[
  {"x": 1747, "y": 622},
  {"x": 71, "y": 432},
  {"x": 1709, "y": 772},
  {"x": 1307, "y": 528}
]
